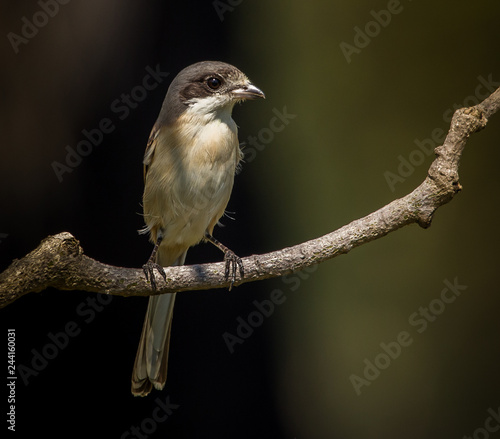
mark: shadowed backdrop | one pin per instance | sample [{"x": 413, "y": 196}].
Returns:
[{"x": 398, "y": 338}]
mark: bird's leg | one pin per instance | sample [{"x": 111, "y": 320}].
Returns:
[
  {"x": 232, "y": 261},
  {"x": 150, "y": 266}
]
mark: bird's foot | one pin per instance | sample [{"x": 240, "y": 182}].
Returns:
[
  {"x": 233, "y": 263},
  {"x": 149, "y": 271}
]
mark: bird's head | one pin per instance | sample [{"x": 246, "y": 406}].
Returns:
[{"x": 209, "y": 87}]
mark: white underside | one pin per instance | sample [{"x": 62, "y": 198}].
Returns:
[{"x": 188, "y": 187}]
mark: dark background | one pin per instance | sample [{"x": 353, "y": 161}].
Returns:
[{"x": 354, "y": 122}]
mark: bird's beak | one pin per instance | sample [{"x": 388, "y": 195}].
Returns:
[{"x": 248, "y": 92}]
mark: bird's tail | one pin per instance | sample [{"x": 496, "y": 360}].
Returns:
[{"x": 150, "y": 367}]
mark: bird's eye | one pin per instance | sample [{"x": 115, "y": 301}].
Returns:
[{"x": 214, "y": 83}]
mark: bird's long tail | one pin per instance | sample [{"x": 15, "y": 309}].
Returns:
[{"x": 150, "y": 367}]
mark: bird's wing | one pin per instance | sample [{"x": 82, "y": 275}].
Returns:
[{"x": 150, "y": 149}]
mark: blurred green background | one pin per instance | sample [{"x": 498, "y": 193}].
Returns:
[
  {"x": 355, "y": 118},
  {"x": 327, "y": 168}
]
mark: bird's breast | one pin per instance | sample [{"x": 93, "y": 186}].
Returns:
[{"x": 190, "y": 179}]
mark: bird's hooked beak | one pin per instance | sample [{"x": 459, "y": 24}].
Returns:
[{"x": 248, "y": 91}]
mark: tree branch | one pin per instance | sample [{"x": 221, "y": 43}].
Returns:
[{"x": 59, "y": 260}]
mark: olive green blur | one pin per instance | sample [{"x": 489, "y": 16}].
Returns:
[{"x": 353, "y": 147}]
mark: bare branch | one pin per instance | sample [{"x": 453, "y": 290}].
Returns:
[{"x": 59, "y": 260}]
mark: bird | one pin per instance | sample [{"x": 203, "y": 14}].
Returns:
[{"x": 190, "y": 161}]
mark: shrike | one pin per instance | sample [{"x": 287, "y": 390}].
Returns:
[{"x": 189, "y": 165}]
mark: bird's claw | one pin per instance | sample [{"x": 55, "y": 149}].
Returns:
[
  {"x": 149, "y": 268},
  {"x": 233, "y": 263}
]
